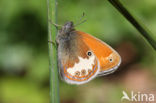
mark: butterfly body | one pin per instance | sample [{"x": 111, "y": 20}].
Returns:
[{"x": 82, "y": 57}]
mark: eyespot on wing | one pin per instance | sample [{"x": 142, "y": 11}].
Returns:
[{"x": 109, "y": 59}]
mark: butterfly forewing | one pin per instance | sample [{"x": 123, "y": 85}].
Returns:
[{"x": 109, "y": 59}]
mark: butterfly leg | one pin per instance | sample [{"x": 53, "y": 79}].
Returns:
[
  {"x": 53, "y": 42},
  {"x": 56, "y": 25}
]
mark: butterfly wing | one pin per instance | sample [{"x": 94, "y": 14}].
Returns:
[
  {"x": 77, "y": 62},
  {"x": 109, "y": 59}
]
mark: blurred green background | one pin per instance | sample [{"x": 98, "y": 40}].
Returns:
[{"x": 24, "y": 72}]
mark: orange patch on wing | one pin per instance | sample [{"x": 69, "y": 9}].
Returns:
[
  {"x": 101, "y": 50},
  {"x": 115, "y": 61},
  {"x": 96, "y": 45}
]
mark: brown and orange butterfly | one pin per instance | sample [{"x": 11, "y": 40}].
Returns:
[{"x": 82, "y": 57}]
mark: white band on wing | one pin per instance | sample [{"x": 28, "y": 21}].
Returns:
[{"x": 83, "y": 64}]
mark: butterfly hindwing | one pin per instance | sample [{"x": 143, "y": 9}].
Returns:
[{"x": 77, "y": 62}]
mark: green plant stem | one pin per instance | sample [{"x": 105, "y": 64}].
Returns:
[
  {"x": 53, "y": 71},
  {"x": 135, "y": 22}
]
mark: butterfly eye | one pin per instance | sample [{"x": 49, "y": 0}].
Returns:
[{"x": 89, "y": 53}]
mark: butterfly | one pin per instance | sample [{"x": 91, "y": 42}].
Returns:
[{"x": 82, "y": 57}]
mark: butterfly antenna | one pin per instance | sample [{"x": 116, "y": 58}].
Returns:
[
  {"x": 80, "y": 20},
  {"x": 83, "y": 14}
]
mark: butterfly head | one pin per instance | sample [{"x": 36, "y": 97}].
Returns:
[{"x": 67, "y": 28}]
